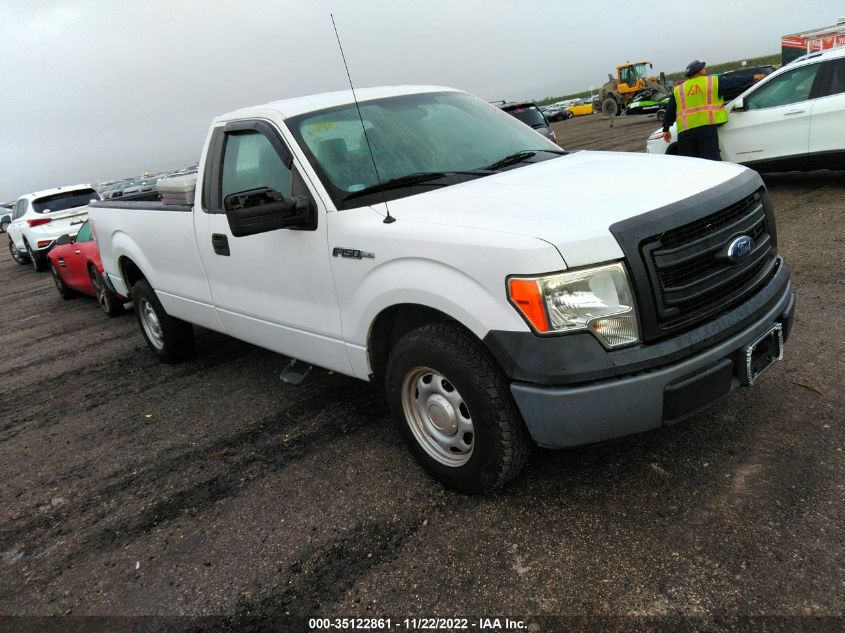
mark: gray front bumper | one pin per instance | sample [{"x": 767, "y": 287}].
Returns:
[{"x": 558, "y": 417}]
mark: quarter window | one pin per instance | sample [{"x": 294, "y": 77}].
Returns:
[
  {"x": 20, "y": 209},
  {"x": 250, "y": 162},
  {"x": 836, "y": 77},
  {"x": 84, "y": 234},
  {"x": 790, "y": 87}
]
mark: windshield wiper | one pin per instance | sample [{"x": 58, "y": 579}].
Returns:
[
  {"x": 518, "y": 157},
  {"x": 418, "y": 178}
]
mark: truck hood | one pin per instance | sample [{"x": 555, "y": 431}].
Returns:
[{"x": 569, "y": 201}]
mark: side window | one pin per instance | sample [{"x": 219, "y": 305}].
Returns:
[
  {"x": 84, "y": 234},
  {"x": 20, "y": 209},
  {"x": 789, "y": 87},
  {"x": 835, "y": 77},
  {"x": 250, "y": 162}
]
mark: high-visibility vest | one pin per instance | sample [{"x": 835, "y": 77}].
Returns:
[{"x": 698, "y": 103}]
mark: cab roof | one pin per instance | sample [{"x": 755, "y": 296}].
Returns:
[{"x": 312, "y": 103}]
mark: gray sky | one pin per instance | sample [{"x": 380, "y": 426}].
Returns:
[{"x": 99, "y": 90}]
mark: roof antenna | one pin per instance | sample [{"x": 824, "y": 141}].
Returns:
[{"x": 389, "y": 219}]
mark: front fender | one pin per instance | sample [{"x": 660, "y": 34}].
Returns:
[{"x": 429, "y": 283}]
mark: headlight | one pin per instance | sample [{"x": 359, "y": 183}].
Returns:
[{"x": 597, "y": 300}]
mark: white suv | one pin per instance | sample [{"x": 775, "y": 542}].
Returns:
[
  {"x": 40, "y": 218},
  {"x": 792, "y": 119}
]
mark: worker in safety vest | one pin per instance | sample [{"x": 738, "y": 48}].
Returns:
[{"x": 697, "y": 107}]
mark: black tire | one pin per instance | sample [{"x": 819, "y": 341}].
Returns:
[
  {"x": 660, "y": 114},
  {"x": 107, "y": 300},
  {"x": 64, "y": 291},
  {"x": 609, "y": 108},
  {"x": 20, "y": 258},
  {"x": 500, "y": 442},
  {"x": 176, "y": 341},
  {"x": 4, "y": 226},
  {"x": 38, "y": 261}
]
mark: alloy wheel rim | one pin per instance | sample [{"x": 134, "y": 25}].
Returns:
[
  {"x": 438, "y": 417},
  {"x": 100, "y": 291},
  {"x": 150, "y": 323},
  {"x": 56, "y": 279}
]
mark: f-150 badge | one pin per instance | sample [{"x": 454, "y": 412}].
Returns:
[{"x": 354, "y": 253}]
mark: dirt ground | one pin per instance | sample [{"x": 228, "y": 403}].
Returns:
[{"x": 211, "y": 488}]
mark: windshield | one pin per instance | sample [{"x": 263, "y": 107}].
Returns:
[
  {"x": 413, "y": 134},
  {"x": 64, "y": 200},
  {"x": 529, "y": 114}
]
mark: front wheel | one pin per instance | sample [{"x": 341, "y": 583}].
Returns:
[
  {"x": 171, "y": 339},
  {"x": 453, "y": 408},
  {"x": 108, "y": 301},
  {"x": 4, "y": 226},
  {"x": 609, "y": 108}
]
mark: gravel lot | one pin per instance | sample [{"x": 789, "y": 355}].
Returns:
[{"x": 211, "y": 488}]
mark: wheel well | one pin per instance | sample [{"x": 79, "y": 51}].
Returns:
[
  {"x": 130, "y": 272},
  {"x": 391, "y": 325}
]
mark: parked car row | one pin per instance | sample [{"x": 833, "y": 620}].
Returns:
[
  {"x": 50, "y": 230},
  {"x": 140, "y": 188}
]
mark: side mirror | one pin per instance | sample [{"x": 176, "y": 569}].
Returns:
[
  {"x": 738, "y": 105},
  {"x": 264, "y": 209},
  {"x": 62, "y": 240}
]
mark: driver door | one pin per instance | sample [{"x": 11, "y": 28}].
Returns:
[
  {"x": 775, "y": 122},
  {"x": 273, "y": 289}
]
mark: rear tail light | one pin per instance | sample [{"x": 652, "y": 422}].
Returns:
[
  {"x": 43, "y": 243},
  {"x": 38, "y": 222}
]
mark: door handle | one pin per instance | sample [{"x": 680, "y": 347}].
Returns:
[
  {"x": 220, "y": 243},
  {"x": 791, "y": 112}
]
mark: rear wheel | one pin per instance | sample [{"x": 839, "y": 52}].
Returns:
[
  {"x": 20, "y": 258},
  {"x": 453, "y": 408},
  {"x": 4, "y": 225},
  {"x": 38, "y": 260},
  {"x": 64, "y": 291},
  {"x": 171, "y": 339},
  {"x": 108, "y": 301}
]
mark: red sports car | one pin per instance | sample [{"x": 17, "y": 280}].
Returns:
[{"x": 77, "y": 269}]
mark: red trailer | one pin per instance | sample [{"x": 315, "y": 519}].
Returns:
[{"x": 793, "y": 46}]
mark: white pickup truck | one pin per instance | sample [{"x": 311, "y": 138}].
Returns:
[{"x": 503, "y": 291}]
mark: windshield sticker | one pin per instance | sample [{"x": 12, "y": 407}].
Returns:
[
  {"x": 317, "y": 128},
  {"x": 352, "y": 188}
]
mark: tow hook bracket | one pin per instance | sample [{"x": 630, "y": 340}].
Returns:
[{"x": 295, "y": 372}]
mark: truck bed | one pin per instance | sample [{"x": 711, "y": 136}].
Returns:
[{"x": 159, "y": 240}]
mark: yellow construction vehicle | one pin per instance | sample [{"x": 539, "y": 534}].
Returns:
[{"x": 631, "y": 79}]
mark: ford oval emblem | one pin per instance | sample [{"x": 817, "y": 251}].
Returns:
[{"x": 740, "y": 248}]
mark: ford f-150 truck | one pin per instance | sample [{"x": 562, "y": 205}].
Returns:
[{"x": 503, "y": 291}]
